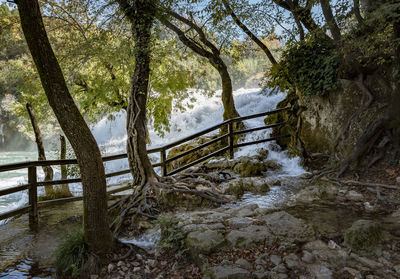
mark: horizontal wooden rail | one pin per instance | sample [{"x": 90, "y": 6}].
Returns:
[
  {"x": 32, "y": 185},
  {"x": 13, "y": 190},
  {"x": 196, "y": 148},
  {"x": 200, "y": 160}
]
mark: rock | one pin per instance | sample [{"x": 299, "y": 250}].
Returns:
[
  {"x": 204, "y": 242},
  {"x": 366, "y": 262},
  {"x": 136, "y": 264},
  {"x": 244, "y": 264},
  {"x": 307, "y": 257},
  {"x": 368, "y": 207},
  {"x": 354, "y": 196},
  {"x": 275, "y": 259},
  {"x": 288, "y": 228},
  {"x": 136, "y": 269},
  {"x": 320, "y": 271},
  {"x": 248, "y": 167},
  {"x": 151, "y": 262},
  {"x": 397, "y": 268},
  {"x": 398, "y": 180},
  {"x": 313, "y": 193},
  {"x": 280, "y": 268},
  {"x": 228, "y": 272},
  {"x": 239, "y": 222},
  {"x": 352, "y": 272},
  {"x": 292, "y": 261},
  {"x": 249, "y": 237},
  {"x": 261, "y": 274},
  {"x": 110, "y": 268},
  {"x": 363, "y": 235},
  {"x": 333, "y": 245},
  {"x": 239, "y": 186},
  {"x": 120, "y": 263},
  {"x": 94, "y": 276}
]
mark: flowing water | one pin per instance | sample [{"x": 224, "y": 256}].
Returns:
[{"x": 111, "y": 136}]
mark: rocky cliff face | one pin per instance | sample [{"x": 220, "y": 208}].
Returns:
[{"x": 320, "y": 122}]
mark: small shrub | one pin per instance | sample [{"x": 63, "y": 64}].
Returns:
[
  {"x": 172, "y": 236},
  {"x": 70, "y": 254},
  {"x": 311, "y": 65}
]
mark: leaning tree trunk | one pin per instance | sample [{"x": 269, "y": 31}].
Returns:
[
  {"x": 141, "y": 15},
  {"x": 48, "y": 171},
  {"x": 63, "y": 154},
  {"x": 227, "y": 96},
  {"x": 96, "y": 228}
]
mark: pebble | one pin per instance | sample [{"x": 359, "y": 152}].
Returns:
[
  {"x": 110, "y": 268},
  {"x": 136, "y": 269},
  {"x": 136, "y": 264},
  {"x": 398, "y": 180},
  {"x": 307, "y": 257},
  {"x": 332, "y": 245},
  {"x": 120, "y": 263},
  {"x": 151, "y": 262},
  {"x": 139, "y": 257},
  {"x": 244, "y": 264},
  {"x": 275, "y": 259}
]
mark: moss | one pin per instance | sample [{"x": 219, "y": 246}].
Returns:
[
  {"x": 249, "y": 169},
  {"x": 56, "y": 194},
  {"x": 363, "y": 235}
]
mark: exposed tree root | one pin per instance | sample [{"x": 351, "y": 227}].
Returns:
[
  {"x": 365, "y": 143},
  {"x": 365, "y": 104},
  {"x": 358, "y": 183},
  {"x": 148, "y": 200},
  {"x": 383, "y": 198}
]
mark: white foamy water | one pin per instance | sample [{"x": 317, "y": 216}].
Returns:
[{"x": 206, "y": 111}]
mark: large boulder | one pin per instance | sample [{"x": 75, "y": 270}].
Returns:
[
  {"x": 239, "y": 186},
  {"x": 288, "y": 228},
  {"x": 363, "y": 235},
  {"x": 251, "y": 236},
  {"x": 204, "y": 242}
]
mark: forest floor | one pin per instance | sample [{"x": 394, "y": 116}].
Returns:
[{"x": 318, "y": 229}]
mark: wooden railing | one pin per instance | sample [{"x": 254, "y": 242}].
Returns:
[{"x": 33, "y": 183}]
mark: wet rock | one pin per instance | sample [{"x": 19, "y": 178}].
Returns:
[
  {"x": 363, "y": 235},
  {"x": 204, "y": 242},
  {"x": 228, "y": 272},
  {"x": 320, "y": 271},
  {"x": 288, "y": 228},
  {"x": 275, "y": 259},
  {"x": 248, "y": 167},
  {"x": 244, "y": 264},
  {"x": 239, "y": 186},
  {"x": 354, "y": 196},
  {"x": 249, "y": 237}
]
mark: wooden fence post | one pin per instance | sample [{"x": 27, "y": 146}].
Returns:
[
  {"x": 231, "y": 140},
  {"x": 33, "y": 212},
  {"x": 163, "y": 164}
]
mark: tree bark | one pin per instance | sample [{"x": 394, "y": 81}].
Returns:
[
  {"x": 141, "y": 14},
  {"x": 249, "y": 33},
  {"x": 48, "y": 171},
  {"x": 96, "y": 228},
  {"x": 211, "y": 52},
  {"x": 63, "y": 154},
  {"x": 330, "y": 20},
  {"x": 356, "y": 11}
]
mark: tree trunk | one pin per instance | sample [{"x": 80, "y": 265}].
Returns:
[
  {"x": 227, "y": 96},
  {"x": 63, "y": 154},
  {"x": 330, "y": 20},
  {"x": 96, "y": 228},
  {"x": 48, "y": 171},
  {"x": 141, "y": 15}
]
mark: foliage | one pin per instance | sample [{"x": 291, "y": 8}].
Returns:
[
  {"x": 172, "y": 236},
  {"x": 310, "y": 65},
  {"x": 70, "y": 254}
]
